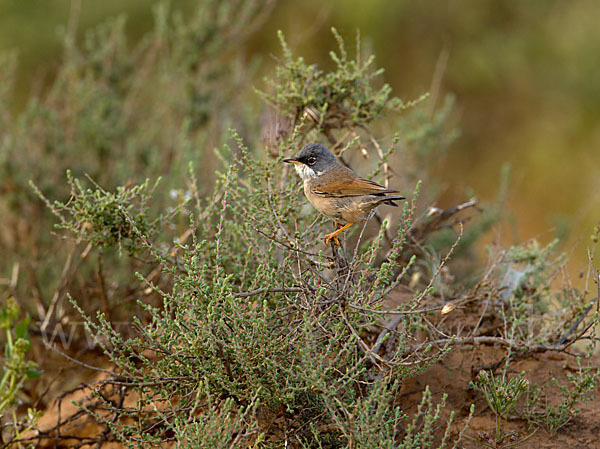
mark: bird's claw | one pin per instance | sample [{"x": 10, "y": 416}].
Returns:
[{"x": 333, "y": 236}]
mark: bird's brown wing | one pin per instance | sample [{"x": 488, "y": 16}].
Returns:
[{"x": 341, "y": 183}]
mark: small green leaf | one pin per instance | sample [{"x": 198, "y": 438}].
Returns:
[
  {"x": 33, "y": 373},
  {"x": 21, "y": 329}
]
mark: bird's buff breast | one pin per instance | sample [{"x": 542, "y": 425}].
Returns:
[{"x": 341, "y": 210}]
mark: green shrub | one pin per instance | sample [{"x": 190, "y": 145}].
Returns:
[{"x": 257, "y": 318}]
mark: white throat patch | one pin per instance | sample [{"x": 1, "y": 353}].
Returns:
[{"x": 306, "y": 172}]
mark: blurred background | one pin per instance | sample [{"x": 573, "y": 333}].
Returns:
[{"x": 525, "y": 75}]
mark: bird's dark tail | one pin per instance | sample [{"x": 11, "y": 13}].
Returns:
[{"x": 389, "y": 200}]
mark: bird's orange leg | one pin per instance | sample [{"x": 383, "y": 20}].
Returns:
[
  {"x": 335, "y": 233},
  {"x": 335, "y": 239}
]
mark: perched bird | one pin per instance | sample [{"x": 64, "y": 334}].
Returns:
[{"x": 336, "y": 191}]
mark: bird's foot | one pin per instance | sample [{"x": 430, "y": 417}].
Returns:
[{"x": 333, "y": 236}]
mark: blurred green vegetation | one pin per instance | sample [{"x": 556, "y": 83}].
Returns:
[{"x": 524, "y": 74}]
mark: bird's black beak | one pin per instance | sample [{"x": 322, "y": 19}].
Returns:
[{"x": 291, "y": 161}]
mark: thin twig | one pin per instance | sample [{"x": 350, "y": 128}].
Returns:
[
  {"x": 103, "y": 296},
  {"x": 487, "y": 340},
  {"x": 563, "y": 339},
  {"x": 436, "y": 81},
  {"x": 64, "y": 280},
  {"x": 390, "y": 326},
  {"x": 373, "y": 356},
  {"x": 258, "y": 291},
  {"x": 274, "y": 240},
  {"x": 438, "y": 270},
  {"x": 410, "y": 311}
]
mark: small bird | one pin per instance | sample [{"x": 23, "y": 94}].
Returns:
[{"x": 336, "y": 191}]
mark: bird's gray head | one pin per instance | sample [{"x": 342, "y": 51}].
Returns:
[{"x": 313, "y": 160}]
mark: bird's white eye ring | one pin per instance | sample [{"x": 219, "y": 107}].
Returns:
[{"x": 311, "y": 161}]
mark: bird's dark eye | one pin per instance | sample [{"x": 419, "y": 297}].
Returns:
[{"x": 311, "y": 161}]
